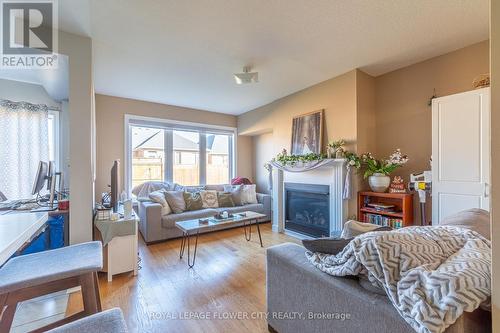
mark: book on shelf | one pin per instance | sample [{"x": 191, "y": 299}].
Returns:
[{"x": 384, "y": 221}]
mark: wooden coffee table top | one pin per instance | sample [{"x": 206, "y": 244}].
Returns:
[{"x": 193, "y": 225}]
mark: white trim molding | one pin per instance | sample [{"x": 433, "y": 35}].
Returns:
[{"x": 332, "y": 174}]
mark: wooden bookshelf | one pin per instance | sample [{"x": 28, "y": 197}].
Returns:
[{"x": 402, "y": 212}]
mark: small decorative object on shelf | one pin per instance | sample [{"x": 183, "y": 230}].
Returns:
[
  {"x": 386, "y": 209},
  {"x": 335, "y": 149},
  {"x": 397, "y": 185}
]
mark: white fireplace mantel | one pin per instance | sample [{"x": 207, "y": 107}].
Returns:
[{"x": 332, "y": 173}]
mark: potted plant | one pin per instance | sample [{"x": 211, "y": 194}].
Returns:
[
  {"x": 335, "y": 149},
  {"x": 378, "y": 170}
]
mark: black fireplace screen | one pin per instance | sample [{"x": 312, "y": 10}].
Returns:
[{"x": 307, "y": 209}]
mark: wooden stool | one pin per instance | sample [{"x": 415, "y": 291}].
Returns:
[{"x": 33, "y": 275}]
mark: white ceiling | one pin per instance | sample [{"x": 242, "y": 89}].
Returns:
[{"x": 184, "y": 52}]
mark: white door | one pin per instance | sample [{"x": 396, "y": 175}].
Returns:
[{"x": 460, "y": 153}]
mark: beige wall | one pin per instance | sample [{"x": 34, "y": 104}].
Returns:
[
  {"x": 110, "y": 117},
  {"x": 271, "y": 125},
  {"x": 495, "y": 160},
  {"x": 402, "y": 113}
]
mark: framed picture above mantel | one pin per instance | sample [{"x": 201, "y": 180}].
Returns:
[{"x": 307, "y": 133}]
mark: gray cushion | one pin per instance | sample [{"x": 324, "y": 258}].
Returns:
[
  {"x": 473, "y": 219},
  {"x": 218, "y": 188},
  {"x": 176, "y": 201},
  {"x": 236, "y": 193},
  {"x": 109, "y": 321},
  {"x": 330, "y": 245},
  {"x": 168, "y": 221},
  {"x": 258, "y": 208},
  {"x": 42, "y": 267}
]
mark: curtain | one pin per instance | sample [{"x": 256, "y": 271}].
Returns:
[{"x": 24, "y": 142}]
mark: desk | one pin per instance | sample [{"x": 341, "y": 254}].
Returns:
[{"x": 16, "y": 230}]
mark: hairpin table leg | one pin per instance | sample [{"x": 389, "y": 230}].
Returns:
[
  {"x": 191, "y": 265},
  {"x": 183, "y": 245},
  {"x": 258, "y": 230},
  {"x": 248, "y": 236}
]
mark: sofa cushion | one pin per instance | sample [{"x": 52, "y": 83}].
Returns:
[
  {"x": 159, "y": 197},
  {"x": 258, "y": 208},
  {"x": 236, "y": 193},
  {"x": 225, "y": 199},
  {"x": 218, "y": 188},
  {"x": 193, "y": 201},
  {"x": 209, "y": 199},
  {"x": 168, "y": 221},
  {"x": 249, "y": 194},
  {"x": 176, "y": 201},
  {"x": 473, "y": 219},
  {"x": 329, "y": 245}
]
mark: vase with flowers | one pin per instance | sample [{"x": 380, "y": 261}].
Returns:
[{"x": 378, "y": 171}]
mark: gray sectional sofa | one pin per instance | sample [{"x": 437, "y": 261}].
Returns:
[
  {"x": 295, "y": 286},
  {"x": 154, "y": 227}
]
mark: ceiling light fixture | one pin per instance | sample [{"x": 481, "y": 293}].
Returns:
[{"x": 246, "y": 76}]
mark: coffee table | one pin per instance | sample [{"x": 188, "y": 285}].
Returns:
[{"x": 193, "y": 227}]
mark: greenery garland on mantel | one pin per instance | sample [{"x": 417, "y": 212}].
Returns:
[{"x": 291, "y": 160}]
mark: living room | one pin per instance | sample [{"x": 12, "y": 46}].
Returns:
[{"x": 249, "y": 166}]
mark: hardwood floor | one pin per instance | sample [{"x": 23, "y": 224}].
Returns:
[{"x": 229, "y": 279}]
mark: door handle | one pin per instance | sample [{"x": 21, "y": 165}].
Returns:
[{"x": 486, "y": 190}]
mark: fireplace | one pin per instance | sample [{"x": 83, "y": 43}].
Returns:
[{"x": 307, "y": 209}]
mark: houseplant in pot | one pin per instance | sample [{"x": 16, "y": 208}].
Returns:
[{"x": 378, "y": 170}]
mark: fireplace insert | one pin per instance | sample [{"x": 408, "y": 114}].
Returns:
[{"x": 307, "y": 209}]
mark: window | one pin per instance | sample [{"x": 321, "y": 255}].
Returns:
[
  {"x": 148, "y": 161},
  {"x": 184, "y": 153},
  {"x": 187, "y": 145},
  {"x": 30, "y": 134}
]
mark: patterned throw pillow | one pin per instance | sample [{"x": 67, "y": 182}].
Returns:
[
  {"x": 159, "y": 197},
  {"x": 225, "y": 199},
  {"x": 193, "y": 200},
  {"x": 236, "y": 193},
  {"x": 176, "y": 201},
  {"x": 209, "y": 199}
]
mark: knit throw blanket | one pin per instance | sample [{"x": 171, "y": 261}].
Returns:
[{"x": 430, "y": 274}]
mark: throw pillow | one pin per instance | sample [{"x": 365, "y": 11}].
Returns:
[
  {"x": 159, "y": 197},
  {"x": 354, "y": 228},
  {"x": 209, "y": 199},
  {"x": 329, "y": 245},
  {"x": 473, "y": 219},
  {"x": 193, "y": 200},
  {"x": 249, "y": 195},
  {"x": 176, "y": 201},
  {"x": 225, "y": 199},
  {"x": 240, "y": 181},
  {"x": 236, "y": 193}
]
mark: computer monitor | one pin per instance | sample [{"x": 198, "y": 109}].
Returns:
[{"x": 40, "y": 177}]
